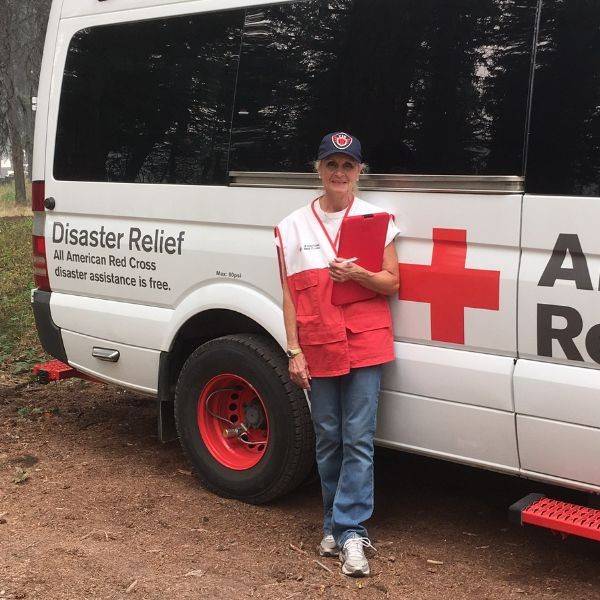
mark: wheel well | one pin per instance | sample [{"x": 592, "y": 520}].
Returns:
[{"x": 201, "y": 328}]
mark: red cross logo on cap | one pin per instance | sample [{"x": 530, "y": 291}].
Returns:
[
  {"x": 341, "y": 140},
  {"x": 448, "y": 286}
]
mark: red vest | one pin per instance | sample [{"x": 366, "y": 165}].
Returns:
[{"x": 334, "y": 339}]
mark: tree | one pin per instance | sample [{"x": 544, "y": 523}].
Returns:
[{"x": 22, "y": 29}]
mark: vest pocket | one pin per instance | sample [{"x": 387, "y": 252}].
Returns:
[
  {"x": 312, "y": 331},
  {"x": 307, "y": 299},
  {"x": 368, "y": 321}
]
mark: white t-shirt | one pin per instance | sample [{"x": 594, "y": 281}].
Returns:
[{"x": 332, "y": 221}]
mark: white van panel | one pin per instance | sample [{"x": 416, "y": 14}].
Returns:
[
  {"x": 115, "y": 321},
  {"x": 545, "y": 218},
  {"x": 569, "y": 483},
  {"x": 458, "y": 432},
  {"x": 455, "y": 375},
  {"x": 155, "y": 327},
  {"x": 204, "y": 252},
  {"x": 557, "y": 392},
  {"x": 491, "y": 219},
  {"x": 137, "y": 368},
  {"x": 560, "y": 450},
  {"x": 560, "y": 246},
  {"x": 77, "y": 8},
  {"x": 491, "y": 225}
]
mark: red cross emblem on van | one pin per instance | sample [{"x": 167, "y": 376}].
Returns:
[
  {"x": 448, "y": 286},
  {"x": 341, "y": 140}
]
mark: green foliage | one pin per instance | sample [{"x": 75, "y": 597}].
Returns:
[{"x": 19, "y": 347}]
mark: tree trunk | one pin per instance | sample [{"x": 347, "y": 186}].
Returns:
[
  {"x": 29, "y": 156},
  {"x": 16, "y": 146},
  {"x": 28, "y": 131}
]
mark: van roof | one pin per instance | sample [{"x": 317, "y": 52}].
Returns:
[{"x": 78, "y": 8}]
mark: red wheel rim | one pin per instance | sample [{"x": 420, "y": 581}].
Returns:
[{"x": 231, "y": 397}]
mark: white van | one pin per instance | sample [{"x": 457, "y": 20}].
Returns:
[{"x": 172, "y": 135}]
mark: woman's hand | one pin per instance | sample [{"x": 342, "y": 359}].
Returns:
[
  {"x": 383, "y": 282},
  {"x": 299, "y": 371},
  {"x": 341, "y": 270}
]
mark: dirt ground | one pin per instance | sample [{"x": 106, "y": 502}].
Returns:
[{"x": 93, "y": 506}]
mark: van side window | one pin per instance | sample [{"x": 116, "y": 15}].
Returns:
[
  {"x": 149, "y": 101},
  {"x": 564, "y": 147},
  {"x": 429, "y": 87}
]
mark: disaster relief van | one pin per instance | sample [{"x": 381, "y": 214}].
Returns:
[{"x": 172, "y": 136}]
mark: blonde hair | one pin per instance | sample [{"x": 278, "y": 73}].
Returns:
[{"x": 364, "y": 168}]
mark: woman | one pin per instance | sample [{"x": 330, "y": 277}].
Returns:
[{"x": 336, "y": 352}]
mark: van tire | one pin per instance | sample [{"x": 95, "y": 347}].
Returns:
[{"x": 289, "y": 454}]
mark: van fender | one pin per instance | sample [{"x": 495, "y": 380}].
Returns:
[{"x": 237, "y": 297}]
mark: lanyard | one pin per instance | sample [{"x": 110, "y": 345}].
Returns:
[{"x": 333, "y": 243}]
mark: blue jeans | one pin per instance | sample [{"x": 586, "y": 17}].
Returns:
[{"x": 344, "y": 412}]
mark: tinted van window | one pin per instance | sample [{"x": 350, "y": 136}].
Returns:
[
  {"x": 428, "y": 86},
  {"x": 564, "y": 148},
  {"x": 149, "y": 101}
]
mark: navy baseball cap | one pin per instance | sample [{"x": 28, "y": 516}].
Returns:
[{"x": 340, "y": 143}]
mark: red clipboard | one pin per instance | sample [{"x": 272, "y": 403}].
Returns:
[{"x": 362, "y": 236}]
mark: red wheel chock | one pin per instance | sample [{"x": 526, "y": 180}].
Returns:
[
  {"x": 558, "y": 516},
  {"x": 55, "y": 370}
]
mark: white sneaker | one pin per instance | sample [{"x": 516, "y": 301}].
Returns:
[
  {"x": 352, "y": 556},
  {"x": 328, "y": 547}
]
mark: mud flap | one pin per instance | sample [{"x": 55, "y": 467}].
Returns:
[{"x": 167, "y": 432}]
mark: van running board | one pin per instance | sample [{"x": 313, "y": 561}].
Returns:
[
  {"x": 558, "y": 516},
  {"x": 55, "y": 370}
]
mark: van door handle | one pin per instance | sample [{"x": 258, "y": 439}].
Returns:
[{"x": 106, "y": 354}]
